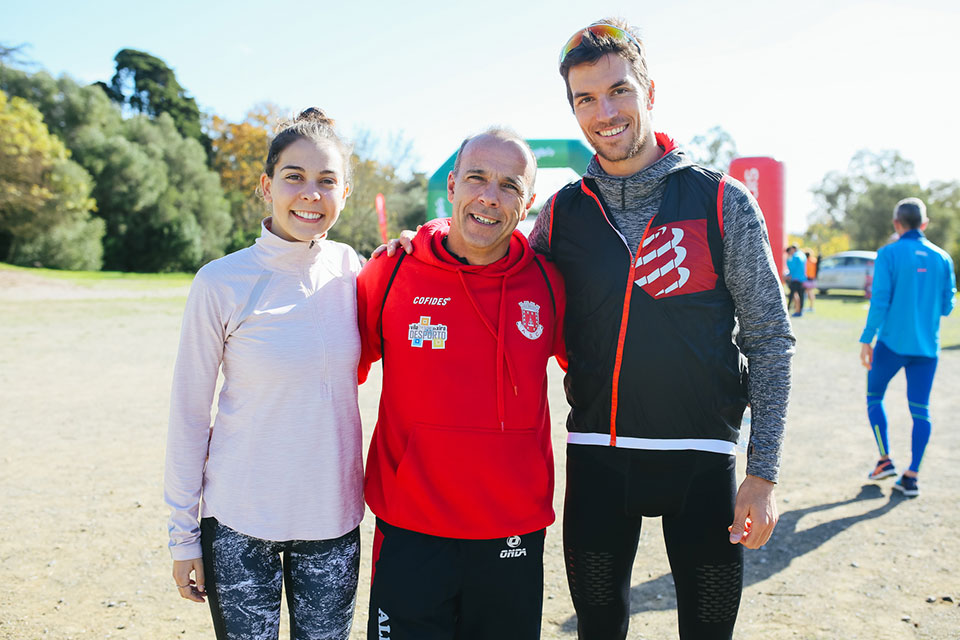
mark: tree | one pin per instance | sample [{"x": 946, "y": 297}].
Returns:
[
  {"x": 163, "y": 208},
  {"x": 869, "y": 217},
  {"x": 943, "y": 208},
  {"x": 45, "y": 202},
  {"x": 13, "y": 55},
  {"x": 825, "y": 239},
  {"x": 239, "y": 151},
  {"x": 714, "y": 149},
  {"x": 146, "y": 85},
  {"x": 839, "y": 191},
  {"x": 405, "y": 203},
  {"x": 859, "y": 203},
  {"x": 174, "y": 218}
]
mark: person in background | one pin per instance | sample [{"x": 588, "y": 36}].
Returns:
[
  {"x": 271, "y": 495},
  {"x": 810, "y": 284},
  {"x": 796, "y": 277},
  {"x": 914, "y": 285}
]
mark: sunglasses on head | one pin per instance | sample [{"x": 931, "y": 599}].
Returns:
[{"x": 599, "y": 29}]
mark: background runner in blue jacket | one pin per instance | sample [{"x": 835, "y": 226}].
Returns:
[
  {"x": 796, "y": 276},
  {"x": 913, "y": 286}
]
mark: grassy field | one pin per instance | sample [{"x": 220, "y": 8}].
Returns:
[
  {"x": 106, "y": 279},
  {"x": 85, "y": 367}
]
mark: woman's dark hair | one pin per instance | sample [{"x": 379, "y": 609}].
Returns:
[{"x": 310, "y": 124}]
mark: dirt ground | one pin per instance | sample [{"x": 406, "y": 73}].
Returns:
[{"x": 84, "y": 379}]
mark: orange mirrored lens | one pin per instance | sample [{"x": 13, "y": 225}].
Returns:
[{"x": 599, "y": 30}]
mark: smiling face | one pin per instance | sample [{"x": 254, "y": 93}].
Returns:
[
  {"x": 613, "y": 111},
  {"x": 491, "y": 193},
  {"x": 307, "y": 190}
]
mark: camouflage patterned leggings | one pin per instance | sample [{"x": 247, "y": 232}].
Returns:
[{"x": 244, "y": 576}]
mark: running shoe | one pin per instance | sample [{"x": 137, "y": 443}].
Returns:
[
  {"x": 907, "y": 486},
  {"x": 884, "y": 469}
]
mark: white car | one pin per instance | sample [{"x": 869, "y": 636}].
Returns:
[{"x": 846, "y": 270}]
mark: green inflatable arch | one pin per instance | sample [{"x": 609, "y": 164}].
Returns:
[{"x": 550, "y": 154}]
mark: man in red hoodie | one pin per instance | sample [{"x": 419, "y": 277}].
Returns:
[{"x": 461, "y": 478}]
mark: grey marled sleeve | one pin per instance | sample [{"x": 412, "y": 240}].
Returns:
[
  {"x": 766, "y": 337},
  {"x": 540, "y": 234}
]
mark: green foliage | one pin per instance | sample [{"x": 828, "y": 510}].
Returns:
[
  {"x": 714, "y": 149},
  {"x": 180, "y": 218},
  {"x": 869, "y": 217},
  {"x": 838, "y": 192},
  {"x": 825, "y": 239},
  {"x": 158, "y": 206},
  {"x": 859, "y": 202},
  {"x": 406, "y": 207},
  {"x": 64, "y": 246},
  {"x": 45, "y": 202},
  {"x": 239, "y": 151},
  {"x": 378, "y": 166},
  {"x": 358, "y": 225},
  {"x": 943, "y": 209},
  {"x": 146, "y": 85},
  {"x": 163, "y": 208}
]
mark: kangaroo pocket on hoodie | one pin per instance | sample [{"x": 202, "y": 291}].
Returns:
[{"x": 472, "y": 482}]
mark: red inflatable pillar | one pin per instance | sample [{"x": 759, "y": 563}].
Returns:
[{"x": 764, "y": 178}]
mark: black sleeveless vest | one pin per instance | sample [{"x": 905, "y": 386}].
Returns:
[{"x": 650, "y": 346}]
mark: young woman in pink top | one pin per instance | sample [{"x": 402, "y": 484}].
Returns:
[{"x": 271, "y": 495}]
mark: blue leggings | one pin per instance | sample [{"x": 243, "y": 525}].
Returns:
[
  {"x": 244, "y": 577},
  {"x": 919, "y": 371}
]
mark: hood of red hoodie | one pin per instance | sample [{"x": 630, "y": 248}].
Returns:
[{"x": 428, "y": 248}]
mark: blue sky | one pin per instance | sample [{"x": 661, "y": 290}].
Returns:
[{"x": 807, "y": 83}]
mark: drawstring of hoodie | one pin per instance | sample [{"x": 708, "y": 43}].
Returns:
[{"x": 498, "y": 335}]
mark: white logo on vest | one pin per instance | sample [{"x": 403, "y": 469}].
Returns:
[{"x": 678, "y": 275}]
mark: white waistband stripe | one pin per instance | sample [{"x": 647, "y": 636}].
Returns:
[{"x": 656, "y": 444}]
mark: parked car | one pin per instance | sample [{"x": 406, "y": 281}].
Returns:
[{"x": 846, "y": 270}]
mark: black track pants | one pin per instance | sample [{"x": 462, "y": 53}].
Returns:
[
  {"x": 608, "y": 492},
  {"x": 431, "y": 588},
  {"x": 244, "y": 577}
]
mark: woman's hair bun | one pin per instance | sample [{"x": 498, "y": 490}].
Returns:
[
  {"x": 312, "y": 114},
  {"x": 310, "y": 124}
]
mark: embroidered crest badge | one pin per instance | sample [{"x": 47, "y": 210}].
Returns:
[{"x": 529, "y": 323}]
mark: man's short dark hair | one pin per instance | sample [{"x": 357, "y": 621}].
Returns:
[
  {"x": 593, "y": 47},
  {"x": 910, "y": 212}
]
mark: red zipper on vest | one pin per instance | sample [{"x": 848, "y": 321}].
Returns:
[{"x": 625, "y": 315}]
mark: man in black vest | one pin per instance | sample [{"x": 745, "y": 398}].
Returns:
[{"x": 672, "y": 297}]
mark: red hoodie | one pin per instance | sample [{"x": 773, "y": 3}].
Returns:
[{"x": 462, "y": 443}]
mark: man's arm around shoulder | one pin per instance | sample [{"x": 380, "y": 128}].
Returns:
[{"x": 371, "y": 287}]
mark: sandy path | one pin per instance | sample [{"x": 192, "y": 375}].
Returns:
[{"x": 84, "y": 378}]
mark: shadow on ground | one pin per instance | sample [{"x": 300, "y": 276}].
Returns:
[{"x": 657, "y": 594}]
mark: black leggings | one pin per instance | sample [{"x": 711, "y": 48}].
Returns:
[
  {"x": 608, "y": 492},
  {"x": 244, "y": 577}
]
